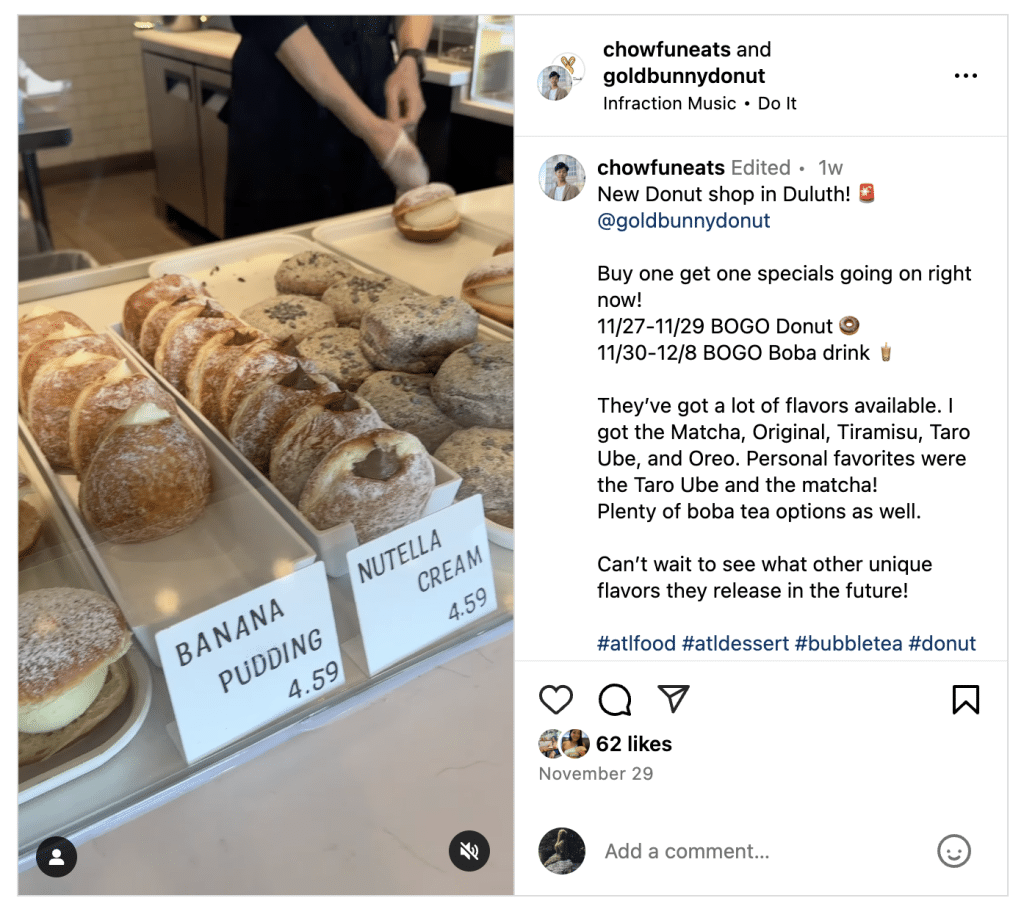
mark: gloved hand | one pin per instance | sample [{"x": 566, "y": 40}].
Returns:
[{"x": 404, "y": 165}]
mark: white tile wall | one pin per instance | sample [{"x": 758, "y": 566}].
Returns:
[{"x": 106, "y": 105}]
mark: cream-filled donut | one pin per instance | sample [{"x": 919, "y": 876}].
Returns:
[
  {"x": 66, "y": 640},
  {"x": 488, "y": 287},
  {"x": 149, "y": 477},
  {"x": 427, "y": 212},
  {"x": 378, "y": 482}
]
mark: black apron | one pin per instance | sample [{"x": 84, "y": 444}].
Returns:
[{"x": 290, "y": 160}]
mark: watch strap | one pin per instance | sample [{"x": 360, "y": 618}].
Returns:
[{"x": 418, "y": 55}]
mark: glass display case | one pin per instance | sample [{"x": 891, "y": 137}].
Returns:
[
  {"x": 455, "y": 38},
  {"x": 493, "y": 61}
]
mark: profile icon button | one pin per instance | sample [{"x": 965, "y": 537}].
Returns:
[{"x": 56, "y": 856}]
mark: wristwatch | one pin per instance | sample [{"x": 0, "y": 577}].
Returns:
[{"x": 418, "y": 56}]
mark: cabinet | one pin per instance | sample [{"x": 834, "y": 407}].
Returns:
[{"x": 190, "y": 142}]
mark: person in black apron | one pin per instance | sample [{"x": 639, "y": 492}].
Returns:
[{"x": 314, "y": 118}]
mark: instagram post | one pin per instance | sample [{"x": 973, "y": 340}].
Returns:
[{"x": 269, "y": 479}]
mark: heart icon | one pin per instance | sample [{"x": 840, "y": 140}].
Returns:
[
  {"x": 556, "y": 698},
  {"x": 568, "y": 63}
]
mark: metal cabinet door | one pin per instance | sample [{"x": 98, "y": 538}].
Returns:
[
  {"x": 173, "y": 127},
  {"x": 214, "y": 95}
]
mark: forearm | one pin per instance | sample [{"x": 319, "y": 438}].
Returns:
[
  {"x": 413, "y": 32},
  {"x": 307, "y": 61}
]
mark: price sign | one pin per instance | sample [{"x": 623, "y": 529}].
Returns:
[
  {"x": 245, "y": 662},
  {"x": 422, "y": 582}
]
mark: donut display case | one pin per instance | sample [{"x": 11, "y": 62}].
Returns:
[{"x": 246, "y": 536}]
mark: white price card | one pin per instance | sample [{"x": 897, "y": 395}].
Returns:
[
  {"x": 251, "y": 659},
  {"x": 422, "y": 582}
]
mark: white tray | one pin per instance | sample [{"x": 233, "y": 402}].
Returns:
[
  {"x": 373, "y": 240},
  {"x": 237, "y": 544},
  {"x": 58, "y": 560},
  {"x": 99, "y": 745},
  {"x": 240, "y": 274},
  {"x": 331, "y": 545}
]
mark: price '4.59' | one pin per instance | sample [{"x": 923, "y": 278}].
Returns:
[
  {"x": 470, "y": 602},
  {"x": 321, "y": 677}
]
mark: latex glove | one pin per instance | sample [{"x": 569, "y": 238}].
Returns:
[{"x": 405, "y": 166}]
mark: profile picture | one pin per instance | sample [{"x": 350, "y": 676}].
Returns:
[
  {"x": 554, "y": 83},
  {"x": 573, "y": 65},
  {"x": 575, "y": 743},
  {"x": 562, "y": 178},
  {"x": 548, "y": 743},
  {"x": 561, "y": 850}
]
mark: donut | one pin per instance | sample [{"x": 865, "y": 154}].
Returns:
[
  {"x": 261, "y": 363},
  {"x": 38, "y": 746},
  {"x": 148, "y": 478},
  {"x": 262, "y": 413},
  {"x": 848, "y": 325},
  {"x": 378, "y": 481},
  {"x": 204, "y": 380},
  {"x": 474, "y": 385},
  {"x": 416, "y": 335},
  {"x": 30, "y": 526},
  {"x": 60, "y": 344},
  {"x": 426, "y": 213},
  {"x": 41, "y": 321},
  {"x": 139, "y": 303},
  {"x": 310, "y": 273},
  {"x": 483, "y": 457},
  {"x": 403, "y": 401},
  {"x": 335, "y": 352},
  {"x": 488, "y": 287},
  {"x": 161, "y": 314},
  {"x": 311, "y": 433},
  {"x": 352, "y": 297},
  {"x": 52, "y": 395},
  {"x": 289, "y": 316},
  {"x": 66, "y": 640},
  {"x": 182, "y": 338},
  {"x": 103, "y": 401}
]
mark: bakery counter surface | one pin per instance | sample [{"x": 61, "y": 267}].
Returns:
[{"x": 452, "y": 746}]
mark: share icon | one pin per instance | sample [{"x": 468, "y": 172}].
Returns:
[{"x": 675, "y": 694}]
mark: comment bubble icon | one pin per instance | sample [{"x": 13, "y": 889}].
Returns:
[{"x": 615, "y": 700}]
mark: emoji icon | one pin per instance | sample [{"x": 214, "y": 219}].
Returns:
[
  {"x": 867, "y": 192},
  {"x": 885, "y": 352},
  {"x": 848, "y": 325},
  {"x": 954, "y": 851},
  {"x": 614, "y": 700},
  {"x": 556, "y": 699}
]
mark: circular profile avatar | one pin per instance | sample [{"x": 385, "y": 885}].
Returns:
[
  {"x": 572, "y": 63},
  {"x": 553, "y": 83},
  {"x": 548, "y": 743},
  {"x": 575, "y": 743},
  {"x": 562, "y": 178},
  {"x": 561, "y": 851}
]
